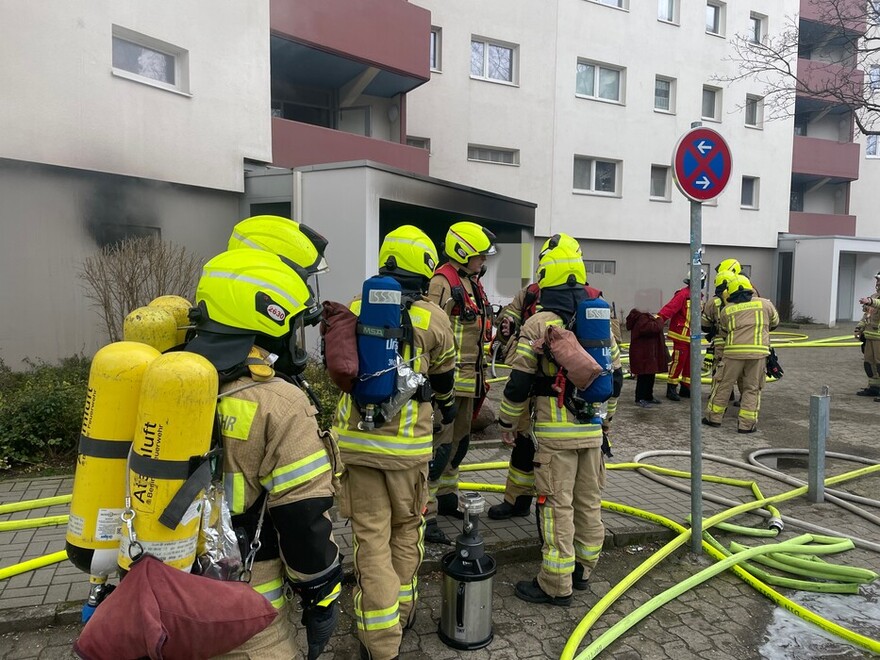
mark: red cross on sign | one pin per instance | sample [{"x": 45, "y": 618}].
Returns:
[{"x": 701, "y": 164}]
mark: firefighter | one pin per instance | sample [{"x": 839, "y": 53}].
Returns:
[
  {"x": 520, "y": 486},
  {"x": 709, "y": 320},
  {"x": 385, "y": 482},
  {"x": 457, "y": 290},
  {"x": 867, "y": 331},
  {"x": 678, "y": 312},
  {"x": 569, "y": 468},
  {"x": 278, "y": 466},
  {"x": 747, "y": 321},
  {"x": 287, "y": 238}
]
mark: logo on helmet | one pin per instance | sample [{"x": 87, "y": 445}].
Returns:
[
  {"x": 460, "y": 251},
  {"x": 276, "y": 313},
  {"x": 430, "y": 262},
  {"x": 271, "y": 309}
]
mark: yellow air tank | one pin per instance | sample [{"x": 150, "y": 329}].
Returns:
[
  {"x": 107, "y": 428},
  {"x": 154, "y": 326},
  {"x": 174, "y": 423},
  {"x": 179, "y": 308}
]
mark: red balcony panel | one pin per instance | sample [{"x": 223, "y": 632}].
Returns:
[
  {"x": 295, "y": 144},
  {"x": 817, "y": 76},
  {"x": 390, "y": 34},
  {"x": 821, "y": 224},
  {"x": 825, "y": 158},
  {"x": 851, "y": 13}
]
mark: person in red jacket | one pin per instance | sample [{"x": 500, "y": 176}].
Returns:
[
  {"x": 647, "y": 354},
  {"x": 678, "y": 312}
]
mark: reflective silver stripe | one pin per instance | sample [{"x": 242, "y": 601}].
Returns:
[
  {"x": 409, "y": 446},
  {"x": 246, "y": 240},
  {"x": 301, "y": 577},
  {"x": 294, "y": 303},
  {"x": 296, "y": 474}
]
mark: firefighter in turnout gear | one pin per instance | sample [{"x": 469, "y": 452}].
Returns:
[
  {"x": 867, "y": 331},
  {"x": 678, "y": 312},
  {"x": 568, "y": 465},
  {"x": 747, "y": 321},
  {"x": 520, "y": 487},
  {"x": 278, "y": 466},
  {"x": 287, "y": 238},
  {"x": 385, "y": 482},
  {"x": 456, "y": 289},
  {"x": 710, "y": 320}
]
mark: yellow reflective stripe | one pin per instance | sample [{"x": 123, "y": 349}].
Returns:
[
  {"x": 273, "y": 591},
  {"x": 611, "y": 407},
  {"x": 421, "y": 318},
  {"x": 739, "y": 307},
  {"x": 554, "y": 563},
  {"x": 512, "y": 409},
  {"x": 548, "y": 525},
  {"x": 408, "y": 592},
  {"x": 748, "y": 414},
  {"x": 679, "y": 337},
  {"x": 445, "y": 396},
  {"x": 512, "y": 314},
  {"x": 520, "y": 478},
  {"x": 524, "y": 348},
  {"x": 236, "y": 417},
  {"x": 444, "y": 356},
  {"x": 567, "y": 430},
  {"x": 377, "y": 619},
  {"x": 333, "y": 595},
  {"x": 296, "y": 473},
  {"x": 447, "y": 480},
  {"x": 586, "y": 552},
  {"x": 733, "y": 349},
  {"x": 384, "y": 444},
  {"x": 717, "y": 409},
  {"x": 554, "y": 322},
  {"x": 233, "y": 487}
]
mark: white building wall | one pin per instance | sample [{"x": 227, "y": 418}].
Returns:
[{"x": 62, "y": 104}]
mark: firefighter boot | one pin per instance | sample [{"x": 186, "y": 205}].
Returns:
[
  {"x": 521, "y": 508},
  {"x": 447, "y": 505},
  {"x": 671, "y": 394},
  {"x": 433, "y": 533},
  {"x": 531, "y": 592},
  {"x": 871, "y": 390},
  {"x": 684, "y": 391},
  {"x": 578, "y": 581}
]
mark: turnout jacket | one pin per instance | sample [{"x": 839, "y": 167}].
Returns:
[
  {"x": 678, "y": 312},
  {"x": 711, "y": 319},
  {"x": 407, "y": 439},
  {"x": 470, "y": 377},
  {"x": 554, "y": 427},
  {"x": 870, "y": 323},
  {"x": 747, "y": 326},
  {"x": 272, "y": 445}
]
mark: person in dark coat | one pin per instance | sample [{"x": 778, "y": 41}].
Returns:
[{"x": 647, "y": 353}]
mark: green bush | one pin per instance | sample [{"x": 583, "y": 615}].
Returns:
[
  {"x": 325, "y": 389},
  {"x": 41, "y": 410}
]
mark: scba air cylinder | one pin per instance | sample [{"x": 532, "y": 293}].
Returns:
[
  {"x": 468, "y": 572},
  {"x": 172, "y": 432}
]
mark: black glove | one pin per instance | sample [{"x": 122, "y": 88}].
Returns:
[
  {"x": 616, "y": 381},
  {"x": 320, "y": 622},
  {"x": 448, "y": 411}
]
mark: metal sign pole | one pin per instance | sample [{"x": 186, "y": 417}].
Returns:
[{"x": 696, "y": 400}]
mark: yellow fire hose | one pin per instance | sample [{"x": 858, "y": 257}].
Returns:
[
  {"x": 34, "y": 504},
  {"x": 30, "y": 523},
  {"x": 32, "y": 564}
]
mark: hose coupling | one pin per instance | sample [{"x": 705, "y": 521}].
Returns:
[{"x": 776, "y": 523}]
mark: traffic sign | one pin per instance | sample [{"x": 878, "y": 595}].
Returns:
[{"x": 701, "y": 164}]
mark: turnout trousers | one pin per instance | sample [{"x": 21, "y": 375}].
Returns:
[
  {"x": 521, "y": 472},
  {"x": 450, "y": 448},
  {"x": 385, "y": 508},
  {"x": 568, "y": 483},
  {"x": 680, "y": 364},
  {"x": 872, "y": 361},
  {"x": 749, "y": 375}
]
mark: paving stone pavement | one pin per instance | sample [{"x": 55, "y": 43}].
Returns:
[{"x": 723, "y": 618}]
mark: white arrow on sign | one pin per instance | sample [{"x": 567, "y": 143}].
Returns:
[
  {"x": 704, "y": 182},
  {"x": 703, "y": 147}
]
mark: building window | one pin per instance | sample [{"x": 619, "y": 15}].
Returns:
[
  {"x": 754, "y": 111},
  {"x": 601, "y": 267},
  {"x": 757, "y": 28},
  {"x": 498, "y": 155},
  {"x": 715, "y": 18},
  {"x": 660, "y": 182},
  {"x": 436, "y": 34},
  {"x": 595, "y": 175},
  {"x": 599, "y": 81},
  {"x": 874, "y": 12},
  {"x": 666, "y": 11},
  {"x": 749, "y": 197},
  {"x": 419, "y": 142},
  {"x": 796, "y": 200},
  {"x": 871, "y": 150},
  {"x": 664, "y": 94},
  {"x": 493, "y": 60},
  {"x": 620, "y": 4},
  {"x": 874, "y": 77},
  {"x": 711, "y": 103},
  {"x": 148, "y": 60}
]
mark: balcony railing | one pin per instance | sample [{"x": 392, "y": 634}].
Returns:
[
  {"x": 821, "y": 224},
  {"x": 295, "y": 144},
  {"x": 843, "y": 82},
  {"x": 825, "y": 158}
]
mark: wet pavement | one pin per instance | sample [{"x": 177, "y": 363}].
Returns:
[{"x": 722, "y": 618}]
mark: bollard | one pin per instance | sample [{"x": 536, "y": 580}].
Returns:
[{"x": 819, "y": 407}]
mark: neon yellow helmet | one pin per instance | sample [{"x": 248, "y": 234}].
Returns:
[
  {"x": 739, "y": 283},
  {"x": 290, "y": 239},
  {"x": 560, "y": 239},
  {"x": 243, "y": 295},
  {"x": 468, "y": 239},
  {"x": 561, "y": 265},
  {"x": 731, "y": 265},
  {"x": 408, "y": 248},
  {"x": 723, "y": 278}
]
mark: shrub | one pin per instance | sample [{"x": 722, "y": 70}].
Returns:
[
  {"x": 325, "y": 390},
  {"x": 41, "y": 410}
]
